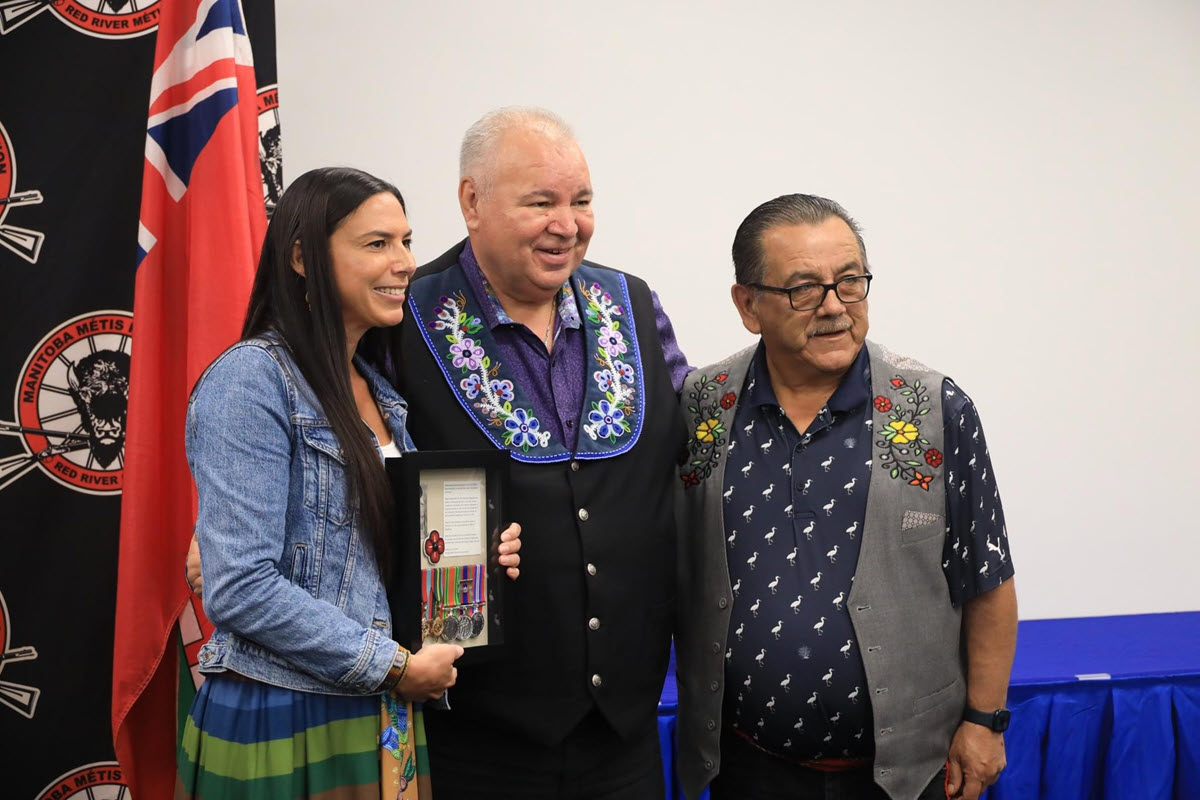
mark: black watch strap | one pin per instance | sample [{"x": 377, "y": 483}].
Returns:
[{"x": 993, "y": 720}]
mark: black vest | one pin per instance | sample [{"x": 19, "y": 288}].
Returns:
[{"x": 589, "y": 621}]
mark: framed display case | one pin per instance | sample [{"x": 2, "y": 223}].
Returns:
[{"x": 446, "y": 582}]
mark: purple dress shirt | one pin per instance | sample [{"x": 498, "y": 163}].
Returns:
[{"x": 555, "y": 379}]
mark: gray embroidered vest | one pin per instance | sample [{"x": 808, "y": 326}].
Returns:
[{"x": 907, "y": 629}]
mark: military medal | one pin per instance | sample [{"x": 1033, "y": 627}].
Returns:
[
  {"x": 477, "y": 619},
  {"x": 453, "y": 595},
  {"x": 453, "y": 592},
  {"x": 437, "y": 623},
  {"x": 426, "y": 603},
  {"x": 462, "y": 627},
  {"x": 450, "y": 628},
  {"x": 467, "y": 625}
]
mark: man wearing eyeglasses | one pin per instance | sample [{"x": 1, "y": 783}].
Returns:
[{"x": 847, "y": 611}]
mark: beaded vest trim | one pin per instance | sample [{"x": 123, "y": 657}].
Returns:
[{"x": 451, "y": 324}]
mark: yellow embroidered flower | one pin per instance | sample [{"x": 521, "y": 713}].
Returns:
[
  {"x": 905, "y": 432},
  {"x": 708, "y": 430}
]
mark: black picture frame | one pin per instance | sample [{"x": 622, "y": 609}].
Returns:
[{"x": 406, "y": 475}]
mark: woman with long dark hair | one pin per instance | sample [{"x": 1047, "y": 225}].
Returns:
[{"x": 287, "y": 432}]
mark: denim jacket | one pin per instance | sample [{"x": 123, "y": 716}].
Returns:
[{"x": 290, "y": 579}]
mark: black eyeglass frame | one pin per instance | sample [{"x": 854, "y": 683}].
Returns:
[{"x": 827, "y": 287}]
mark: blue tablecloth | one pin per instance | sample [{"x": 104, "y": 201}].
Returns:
[{"x": 1103, "y": 708}]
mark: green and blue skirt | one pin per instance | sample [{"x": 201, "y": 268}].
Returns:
[{"x": 245, "y": 740}]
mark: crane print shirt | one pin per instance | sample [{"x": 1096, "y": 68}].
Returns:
[{"x": 795, "y": 503}]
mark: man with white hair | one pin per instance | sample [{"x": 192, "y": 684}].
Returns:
[{"x": 515, "y": 342}]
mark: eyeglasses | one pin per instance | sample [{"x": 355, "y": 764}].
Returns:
[{"x": 809, "y": 296}]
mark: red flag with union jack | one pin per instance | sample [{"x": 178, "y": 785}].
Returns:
[{"x": 202, "y": 224}]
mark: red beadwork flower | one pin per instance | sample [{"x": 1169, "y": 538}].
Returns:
[
  {"x": 933, "y": 458},
  {"x": 897, "y": 382},
  {"x": 728, "y": 400},
  {"x": 721, "y": 378},
  {"x": 882, "y": 404},
  {"x": 690, "y": 480},
  {"x": 435, "y": 545},
  {"x": 921, "y": 480}
]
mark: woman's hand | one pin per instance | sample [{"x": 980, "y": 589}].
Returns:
[
  {"x": 510, "y": 545},
  {"x": 430, "y": 673}
]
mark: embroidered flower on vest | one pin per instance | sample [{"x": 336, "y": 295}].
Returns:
[
  {"x": 520, "y": 427},
  {"x": 900, "y": 436},
  {"x": 707, "y": 403},
  {"x": 466, "y": 353},
  {"x": 607, "y": 418}
]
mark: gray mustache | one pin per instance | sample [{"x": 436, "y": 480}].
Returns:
[{"x": 841, "y": 326}]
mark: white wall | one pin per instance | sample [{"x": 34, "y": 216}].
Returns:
[{"x": 1026, "y": 174}]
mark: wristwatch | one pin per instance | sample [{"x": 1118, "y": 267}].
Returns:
[{"x": 993, "y": 720}]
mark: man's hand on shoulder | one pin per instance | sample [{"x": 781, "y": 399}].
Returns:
[{"x": 975, "y": 761}]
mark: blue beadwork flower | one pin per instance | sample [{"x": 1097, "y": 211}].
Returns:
[
  {"x": 612, "y": 341},
  {"x": 605, "y": 380},
  {"x": 389, "y": 739},
  {"x": 523, "y": 427},
  {"x": 607, "y": 420},
  {"x": 624, "y": 370},
  {"x": 471, "y": 385},
  {"x": 502, "y": 389}
]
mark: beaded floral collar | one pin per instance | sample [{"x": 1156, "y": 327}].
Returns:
[{"x": 451, "y": 322}]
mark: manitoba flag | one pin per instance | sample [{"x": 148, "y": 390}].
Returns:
[{"x": 201, "y": 227}]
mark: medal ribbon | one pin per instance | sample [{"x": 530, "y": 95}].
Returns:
[
  {"x": 426, "y": 591},
  {"x": 447, "y": 592},
  {"x": 441, "y": 579}
]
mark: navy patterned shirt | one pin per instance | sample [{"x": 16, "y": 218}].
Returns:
[{"x": 795, "y": 504}]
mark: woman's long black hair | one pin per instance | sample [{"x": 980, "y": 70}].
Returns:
[{"x": 306, "y": 312}]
